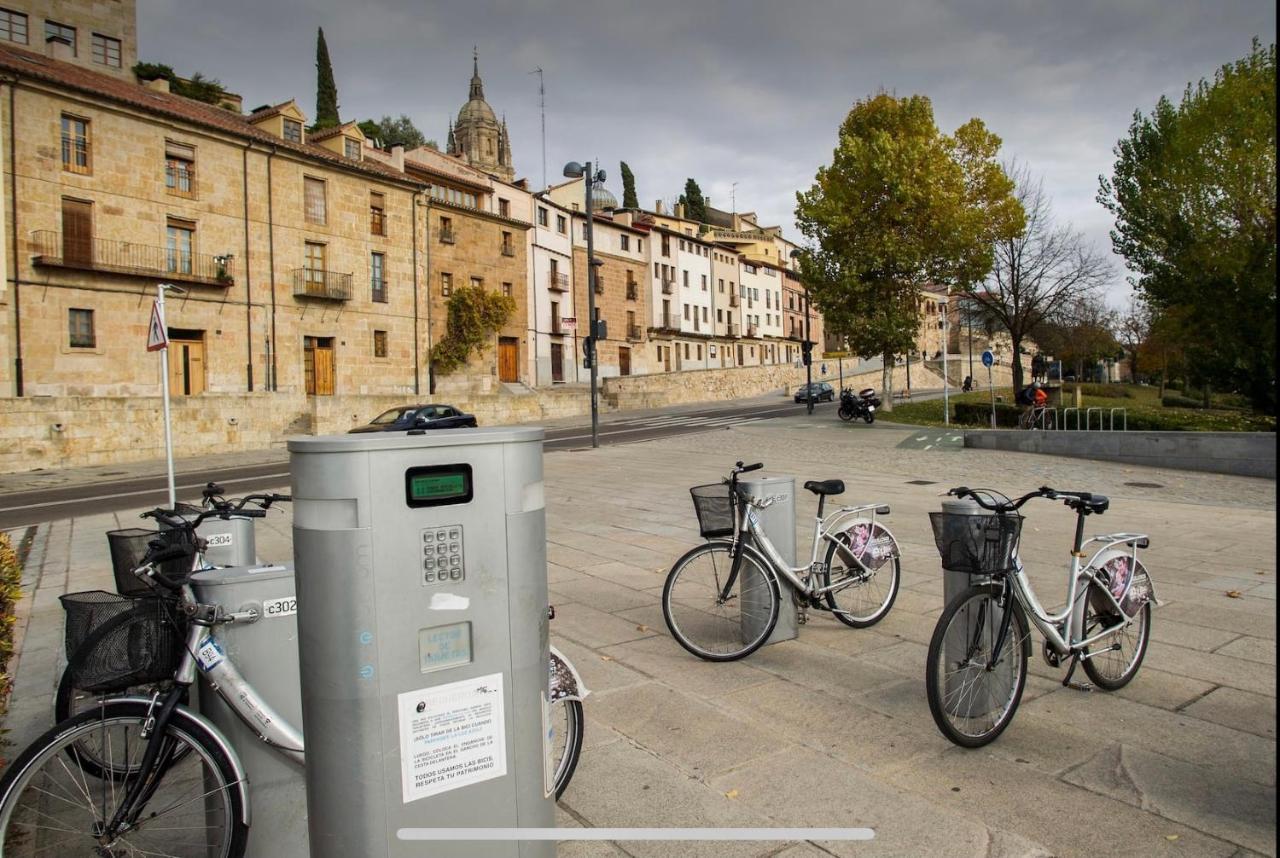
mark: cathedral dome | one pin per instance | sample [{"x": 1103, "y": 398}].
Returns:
[
  {"x": 602, "y": 199},
  {"x": 477, "y": 110}
]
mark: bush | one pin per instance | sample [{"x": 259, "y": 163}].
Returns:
[
  {"x": 10, "y": 591},
  {"x": 1174, "y": 401},
  {"x": 979, "y": 414},
  {"x": 1101, "y": 391},
  {"x": 1174, "y": 384}
]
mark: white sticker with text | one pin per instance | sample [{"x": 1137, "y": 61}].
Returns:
[{"x": 284, "y": 607}]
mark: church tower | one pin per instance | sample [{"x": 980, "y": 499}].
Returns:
[{"x": 477, "y": 136}]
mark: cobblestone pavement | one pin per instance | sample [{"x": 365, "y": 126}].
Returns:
[{"x": 833, "y": 728}]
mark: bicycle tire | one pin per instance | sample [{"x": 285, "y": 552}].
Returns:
[
  {"x": 23, "y": 791},
  {"x": 761, "y": 585},
  {"x": 568, "y": 762},
  {"x": 1095, "y": 669},
  {"x": 1017, "y": 645},
  {"x": 843, "y": 614}
]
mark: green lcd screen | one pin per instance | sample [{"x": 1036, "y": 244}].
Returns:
[{"x": 437, "y": 485}]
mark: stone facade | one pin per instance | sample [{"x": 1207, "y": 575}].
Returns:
[{"x": 114, "y": 24}]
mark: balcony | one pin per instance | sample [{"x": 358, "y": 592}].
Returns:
[
  {"x": 753, "y": 331},
  {"x": 668, "y": 287},
  {"x": 508, "y": 250},
  {"x": 77, "y": 155},
  {"x": 633, "y": 290},
  {"x": 735, "y": 236},
  {"x": 733, "y": 329},
  {"x": 125, "y": 257},
  {"x": 634, "y": 334},
  {"x": 446, "y": 236},
  {"x": 667, "y": 322},
  {"x": 318, "y": 283},
  {"x": 558, "y": 282},
  {"x": 733, "y": 299},
  {"x": 599, "y": 285},
  {"x": 556, "y": 327},
  {"x": 180, "y": 180}
]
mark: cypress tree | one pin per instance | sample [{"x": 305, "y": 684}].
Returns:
[
  {"x": 326, "y": 89},
  {"x": 695, "y": 206},
  {"x": 629, "y": 200}
]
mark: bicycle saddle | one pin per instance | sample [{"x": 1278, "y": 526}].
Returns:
[
  {"x": 1093, "y": 504},
  {"x": 825, "y": 487}
]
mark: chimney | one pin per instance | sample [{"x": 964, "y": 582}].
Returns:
[
  {"x": 397, "y": 156},
  {"x": 160, "y": 84},
  {"x": 707, "y": 200},
  {"x": 680, "y": 210},
  {"x": 59, "y": 48},
  {"x": 657, "y": 207}
]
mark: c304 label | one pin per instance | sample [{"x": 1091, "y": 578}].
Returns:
[
  {"x": 219, "y": 540},
  {"x": 283, "y": 607}
]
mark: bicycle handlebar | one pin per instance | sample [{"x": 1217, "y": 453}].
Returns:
[
  {"x": 1013, "y": 505},
  {"x": 740, "y": 468}
]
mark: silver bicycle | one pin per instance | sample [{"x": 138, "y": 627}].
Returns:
[
  {"x": 977, "y": 662},
  {"x": 721, "y": 599}
]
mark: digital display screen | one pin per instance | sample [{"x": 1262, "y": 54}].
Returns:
[
  {"x": 437, "y": 485},
  {"x": 444, "y": 646}
]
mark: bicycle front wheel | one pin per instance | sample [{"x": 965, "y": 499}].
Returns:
[
  {"x": 50, "y": 805},
  {"x": 714, "y": 613},
  {"x": 974, "y": 690},
  {"x": 567, "y": 728}
]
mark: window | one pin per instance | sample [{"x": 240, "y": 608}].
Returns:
[
  {"x": 446, "y": 230},
  {"x": 666, "y": 245},
  {"x": 377, "y": 276},
  {"x": 106, "y": 50},
  {"x": 719, "y": 314},
  {"x": 625, "y": 242},
  {"x": 699, "y": 351},
  {"x": 686, "y": 278},
  {"x": 721, "y": 284},
  {"x": 686, "y": 311},
  {"x": 292, "y": 130},
  {"x": 75, "y": 145},
  {"x": 313, "y": 200},
  {"x": 508, "y": 249},
  {"x": 13, "y": 26},
  {"x": 446, "y": 283},
  {"x": 561, "y": 224},
  {"x": 377, "y": 214},
  {"x": 542, "y": 216},
  {"x": 704, "y": 282},
  {"x": 80, "y": 328},
  {"x": 639, "y": 245},
  {"x": 315, "y": 267},
  {"x": 507, "y": 290},
  {"x": 504, "y": 207},
  {"x": 453, "y": 195},
  {"x": 54, "y": 30},
  {"x": 682, "y": 244},
  {"x": 380, "y": 344},
  {"x": 477, "y": 282},
  {"x": 179, "y": 168},
  {"x": 351, "y": 148},
  {"x": 180, "y": 236}
]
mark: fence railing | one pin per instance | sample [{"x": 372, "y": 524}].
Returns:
[
  {"x": 558, "y": 282},
  {"x": 127, "y": 257},
  {"x": 668, "y": 287},
  {"x": 633, "y": 290},
  {"x": 634, "y": 333},
  {"x": 319, "y": 283}
]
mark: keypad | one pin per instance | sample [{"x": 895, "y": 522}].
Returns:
[{"x": 442, "y": 555}]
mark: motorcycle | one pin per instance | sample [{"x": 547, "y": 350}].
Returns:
[{"x": 863, "y": 405}]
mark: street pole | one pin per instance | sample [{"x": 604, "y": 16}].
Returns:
[
  {"x": 588, "y": 175},
  {"x": 969, "y": 318},
  {"x": 164, "y": 390},
  {"x": 946, "y": 407},
  {"x": 808, "y": 357}
]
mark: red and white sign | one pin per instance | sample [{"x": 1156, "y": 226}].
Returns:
[
  {"x": 157, "y": 336},
  {"x": 569, "y": 323}
]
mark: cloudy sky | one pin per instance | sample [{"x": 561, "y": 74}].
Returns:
[{"x": 729, "y": 91}]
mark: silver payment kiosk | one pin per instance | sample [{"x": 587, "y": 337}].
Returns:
[
  {"x": 779, "y": 523},
  {"x": 422, "y": 620}
]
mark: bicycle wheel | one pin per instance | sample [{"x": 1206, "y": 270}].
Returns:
[
  {"x": 1113, "y": 661},
  {"x": 49, "y": 806},
  {"x": 862, "y": 597},
  {"x": 706, "y": 621},
  {"x": 970, "y": 704},
  {"x": 567, "y": 727}
]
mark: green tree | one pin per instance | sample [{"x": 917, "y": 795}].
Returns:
[
  {"x": 401, "y": 129},
  {"x": 629, "y": 200},
  {"x": 1081, "y": 334},
  {"x": 695, "y": 205},
  {"x": 1194, "y": 197},
  {"x": 197, "y": 87},
  {"x": 326, "y": 89},
  {"x": 901, "y": 204},
  {"x": 474, "y": 317}
]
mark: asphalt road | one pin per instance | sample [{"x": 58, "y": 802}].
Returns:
[{"x": 18, "y": 509}]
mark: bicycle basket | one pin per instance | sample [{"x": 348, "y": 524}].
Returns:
[
  {"x": 976, "y": 544},
  {"x": 129, "y": 547},
  {"x": 714, "y": 509},
  {"x": 115, "y": 642}
]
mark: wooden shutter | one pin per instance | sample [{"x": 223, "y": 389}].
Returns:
[{"x": 77, "y": 232}]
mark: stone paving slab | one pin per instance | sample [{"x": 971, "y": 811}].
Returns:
[{"x": 833, "y": 728}]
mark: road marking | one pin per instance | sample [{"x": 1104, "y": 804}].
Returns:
[{"x": 138, "y": 492}]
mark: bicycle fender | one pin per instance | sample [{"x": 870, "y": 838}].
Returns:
[
  {"x": 870, "y": 542},
  {"x": 565, "y": 684},
  {"x": 1125, "y": 577}
]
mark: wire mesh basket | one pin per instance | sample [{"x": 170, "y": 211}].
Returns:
[
  {"x": 115, "y": 642},
  {"x": 976, "y": 544},
  {"x": 715, "y": 509},
  {"x": 129, "y": 548}
]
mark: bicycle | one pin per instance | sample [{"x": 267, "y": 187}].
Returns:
[
  {"x": 977, "y": 661},
  {"x": 1031, "y": 416},
  {"x": 856, "y": 581},
  {"x": 143, "y": 775}
]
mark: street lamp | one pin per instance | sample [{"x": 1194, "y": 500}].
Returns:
[
  {"x": 574, "y": 170},
  {"x": 806, "y": 349},
  {"x": 946, "y": 416}
]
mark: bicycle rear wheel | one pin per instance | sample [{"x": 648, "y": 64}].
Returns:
[
  {"x": 861, "y": 597},
  {"x": 567, "y": 727},
  {"x": 49, "y": 805},
  {"x": 972, "y": 704},
  {"x": 713, "y": 614},
  {"x": 1113, "y": 661}
]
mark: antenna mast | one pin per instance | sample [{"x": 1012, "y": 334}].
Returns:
[{"x": 542, "y": 105}]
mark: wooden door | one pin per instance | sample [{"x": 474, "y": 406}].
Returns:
[
  {"x": 77, "y": 232},
  {"x": 317, "y": 358},
  {"x": 186, "y": 367},
  {"x": 508, "y": 359},
  {"x": 666, "y": 360},
  {"x": 624, "y": 361},
  {"x": 557, "y": 362}
]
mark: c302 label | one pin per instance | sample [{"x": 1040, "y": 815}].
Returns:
[{"x": 284, "y": 607}]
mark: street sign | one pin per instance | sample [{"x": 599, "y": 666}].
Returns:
[
  {"x": 157, "y": 336},
  {"x": 988, "y": 359},
  {"x": 569, "y": 323}
]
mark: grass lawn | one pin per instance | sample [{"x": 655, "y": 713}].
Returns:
[{"x": 1143, "y": 405}]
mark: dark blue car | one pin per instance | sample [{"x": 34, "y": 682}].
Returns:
[{"x": 408, "y": 417}]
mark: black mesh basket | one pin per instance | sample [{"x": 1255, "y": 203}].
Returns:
[
  {"x": 114, "y": 642},
  {"x": 714, "y": 508},
  {"x": 129, "y": 547},
  {"x": 976, "y": 544}
]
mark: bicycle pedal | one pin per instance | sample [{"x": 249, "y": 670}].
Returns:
[
  {"x": 802, "y": 618},
  {"x": 1079, "y": 686}
]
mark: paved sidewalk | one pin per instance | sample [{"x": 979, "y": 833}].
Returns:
[{"x": 833, "y": 729}]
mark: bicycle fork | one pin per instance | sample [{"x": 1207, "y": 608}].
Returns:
[{"x": 156, "y": 760}]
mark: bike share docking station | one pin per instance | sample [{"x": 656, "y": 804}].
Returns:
[
  {"x": 423, "y": 639},
  {"x": 779, "y": 523}
]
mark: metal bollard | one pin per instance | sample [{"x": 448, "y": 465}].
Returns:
[{"x": 779, "y": 523}]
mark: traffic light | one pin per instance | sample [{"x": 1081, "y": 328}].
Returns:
[
  {"x": 806, "y": 350},
  {"x": 588, "y": 352}
]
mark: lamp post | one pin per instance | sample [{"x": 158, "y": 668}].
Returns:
[
  {"x": 946, "y": 410},
  {"x": 806, "y": 350},
  {"x": 574, "y": 170},
  {"x": 968, "y": 316}
]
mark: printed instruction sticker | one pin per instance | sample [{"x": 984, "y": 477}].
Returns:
[{"x": 452, "y": 736}]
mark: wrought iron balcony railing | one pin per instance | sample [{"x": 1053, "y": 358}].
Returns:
[
  {"x": 446, "y": 236},
  {"x": 633, "y": 333},
  {"x": 633, "y": 290},
  {"x": 319, "y": 283},
  {"x": 752, "y": 331},
  {"x": 733, "y": 329},
  {"x": 733, "y": 299},
  {"x": 558, "y": 282},
  {"x": 668, "y": 287},
  {"x": 508, "y": 250},
  {"x": 126, "y": 257},
  {"x": 669, "y": 322},
  {"x": 180, "y": 180}
]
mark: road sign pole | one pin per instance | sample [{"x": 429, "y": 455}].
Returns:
[
  {"x": 164, "y": 390},
  {"x": 987, "y": 360}
]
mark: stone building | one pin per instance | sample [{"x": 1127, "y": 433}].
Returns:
[
  {"x": 98, "y": 36},
  {"x": 477, "y": 137},
  {"x": 621, "y": 250}
]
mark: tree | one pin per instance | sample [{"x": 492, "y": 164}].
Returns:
[
  {"x": 1194, "y": 197},
  {"x": 326, "y": 89},
  {"x": 1039, "y": 272},
  {"x": 1081, "y": 333},
  {"x": 1132, "y": 329},
  {"x": 387, "y": 131},
  {"x": 629, "y": 200},
  {"x": 197, "y": 87},
  {"x": 900, "y": 205},
  {"x": 695, "y": 206}
]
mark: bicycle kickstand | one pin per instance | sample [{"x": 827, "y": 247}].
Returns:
[{"x": 1071, "y": 669}]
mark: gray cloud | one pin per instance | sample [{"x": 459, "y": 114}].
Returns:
[{"x": 749, "y": 92}]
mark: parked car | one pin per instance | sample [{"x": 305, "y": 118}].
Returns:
[
  {"x": 822, "y": 392},
  {"x": 418, "y": 417}
]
